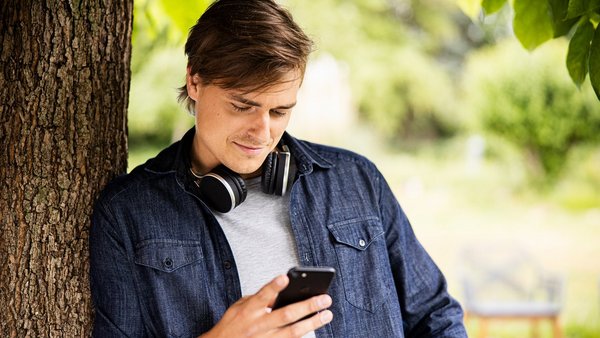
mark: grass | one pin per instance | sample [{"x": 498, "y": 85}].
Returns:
[
  {"x": 452, "y": 208},
  {"x": 455, "y": 202}
]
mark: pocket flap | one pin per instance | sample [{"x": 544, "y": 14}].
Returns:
[
  {"x": 167, "y": 255},
  {"x": 356, "y": 233}
]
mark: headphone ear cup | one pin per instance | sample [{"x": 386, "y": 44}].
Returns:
[
  {"x": 268, "y": 173},
  {"x": 240, "y": 192},
  {"x": 277, "y": 174},
  {"x": 281, "y": 173},
  {"x": 222, "y": 189}
]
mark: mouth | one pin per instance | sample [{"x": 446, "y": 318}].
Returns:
[{"x": 251, "y": 150}]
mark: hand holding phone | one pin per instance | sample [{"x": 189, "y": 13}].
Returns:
[
  {"x": 305, "y": 282},
  {"x": 248, "y": 313}
]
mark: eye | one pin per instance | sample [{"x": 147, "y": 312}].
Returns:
[
  {"x": 279, "y": 113},
  {"x": 240, "y": 109}
]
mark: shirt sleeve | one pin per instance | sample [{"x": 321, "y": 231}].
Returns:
[
  {"x": 116, "y": 306},
  {"x": 428, "y": 310}
]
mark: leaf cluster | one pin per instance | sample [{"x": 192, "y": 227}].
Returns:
[
  {"x": 528, "y": 101},
  {"x": 537, "y": 21},
  {"x": 161, "y": 23}
]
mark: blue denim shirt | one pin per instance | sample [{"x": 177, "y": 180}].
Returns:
[{"x": 161, "y": 265}]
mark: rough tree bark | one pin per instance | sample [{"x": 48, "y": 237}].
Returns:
[{"x": 64, "y": 82}]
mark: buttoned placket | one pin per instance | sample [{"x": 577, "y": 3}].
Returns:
[{"x": 225, "y": 256}]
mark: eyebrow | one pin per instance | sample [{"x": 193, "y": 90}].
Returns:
[{"x": 256, "y": 104}]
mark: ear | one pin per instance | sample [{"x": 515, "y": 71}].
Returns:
[{"x": 193, "y": 84}]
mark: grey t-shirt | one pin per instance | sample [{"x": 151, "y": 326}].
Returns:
[{"x": 260, "y": 235}]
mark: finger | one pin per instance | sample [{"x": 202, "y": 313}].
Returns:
[
  {"x": 242, "y": 300},
  {"x": 265, "y": 297},
  {"x": 305, "y": 326},
  {"x": 294, "y": 312}
]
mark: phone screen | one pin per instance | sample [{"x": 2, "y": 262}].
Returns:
[{"x": 305, "y": 282}]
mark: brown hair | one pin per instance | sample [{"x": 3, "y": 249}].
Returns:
[{"x": 244, "y": 44}]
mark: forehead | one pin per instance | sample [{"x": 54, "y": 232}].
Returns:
[{"x": 287, "y": 86}]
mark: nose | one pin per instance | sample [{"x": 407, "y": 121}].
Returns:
[{"x": 260, "y": 126}]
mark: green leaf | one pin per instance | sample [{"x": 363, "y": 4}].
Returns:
[
  {"x": 595, "y": 62},
  {"x": 560, "y": 23},
  {"x": 184, "y": 14},
  {"x": 581, "y": 7},
  {"x": 492, "y": 6},
  {"x": 471, "y": 8},
  {"x": 579, "y": 52},
  {"x": 532, "y": 22}
]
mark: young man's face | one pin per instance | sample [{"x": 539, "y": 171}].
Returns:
[{"x": 239, "y": 130}]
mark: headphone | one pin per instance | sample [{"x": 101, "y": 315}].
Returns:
[{"x": 223, "y": 190}]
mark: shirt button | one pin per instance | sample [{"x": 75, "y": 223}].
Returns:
[
  {"x": 168, "y": 262},
  {"x": 227, "y": 265},
  {"x": 362, "y": 243}
]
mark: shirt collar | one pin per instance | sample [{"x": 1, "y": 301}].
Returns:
[{"x": 306, "y": 157}]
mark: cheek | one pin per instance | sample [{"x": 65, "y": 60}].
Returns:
[
  {"x": 207, "y": 115},
  {"x": 279, "y": 126}
]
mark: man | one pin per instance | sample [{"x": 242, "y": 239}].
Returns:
[{"x": 197, "y": 240}]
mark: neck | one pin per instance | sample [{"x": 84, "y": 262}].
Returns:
[{"x": 252, "y": 175}]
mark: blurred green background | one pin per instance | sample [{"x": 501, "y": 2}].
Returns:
[{"x": 484, "y": 142}]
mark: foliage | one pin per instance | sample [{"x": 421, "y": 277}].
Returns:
[
  {"x": 154, "y": 113},
  {"x": 161, "y": 23},
  {"x": 396, "y": 52},
  {"x": 407, "y": 95},
  {"x": 537, "y": 21},
  {"x": 530, "y": 102},
  {"x": 580, "y": 190},
  {"x": 159, "y": 30}
]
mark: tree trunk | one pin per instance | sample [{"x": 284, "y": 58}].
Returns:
[{"x": 64, "y": 82}]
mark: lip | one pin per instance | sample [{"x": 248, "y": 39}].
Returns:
[{"x": 248, "y": 150}]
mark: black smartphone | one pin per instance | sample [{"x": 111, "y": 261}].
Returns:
[{"x": 305, "y": 282}]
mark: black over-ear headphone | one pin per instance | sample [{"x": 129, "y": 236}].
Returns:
[{"x": 223, "y": 190}]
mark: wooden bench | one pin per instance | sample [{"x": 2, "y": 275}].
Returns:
[{"x": 508, "y": 284}]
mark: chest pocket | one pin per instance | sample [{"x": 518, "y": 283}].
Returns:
[
  {"x": 169, "y": 274},
  {"x": 362, "y": 255},
  {"x": 167, "y": 255}
]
